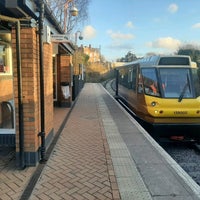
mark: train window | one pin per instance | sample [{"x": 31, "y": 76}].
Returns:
[
  {"x": 140, "y": 84},
  {"x": 174, "y": 61},
  {"x": 130, "y": 75},
  {"x": 127, "y": 77},
  {"x": 150, "y": 81},
  {"x": 134, "y": 78},
  {"x": 121, "y": 76},
  {"x": 176, "y": 83}
]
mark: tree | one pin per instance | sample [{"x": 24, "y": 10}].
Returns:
[
  {"x": 128, "y": 57},
  {"x": 192, "y": 51},
  {"x": 66, "y": 20},
  {"x": 78, "y": 58},
  {"x": 151, "y": 54},
  {"x": 85, "y": 59}
]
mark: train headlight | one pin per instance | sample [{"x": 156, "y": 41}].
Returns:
[
  {"x": 158, "y": 112},
  {"x": 153, "y": 103}
]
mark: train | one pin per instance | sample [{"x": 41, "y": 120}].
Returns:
[{"x": 163, "y": 91}]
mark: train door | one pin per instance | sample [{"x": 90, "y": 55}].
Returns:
[
  {"x": 133, "y": 78},
  {"x": 140, "y": 102},
  {"x": 7, "y": 121}
]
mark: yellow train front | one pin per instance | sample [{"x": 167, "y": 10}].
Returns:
[{"x": 163, "y": 91}]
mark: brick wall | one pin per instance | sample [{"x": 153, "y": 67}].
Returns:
[
  {"x": 65, "y": 68},
  {"x": 31, "y": 91},
  {"x": 48, "y": 83},
  {"x": 64, "y": 75}
]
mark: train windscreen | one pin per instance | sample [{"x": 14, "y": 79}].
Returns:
[
  {"x": 176, "y": 83},
  {"x": 170, "y": 83}
]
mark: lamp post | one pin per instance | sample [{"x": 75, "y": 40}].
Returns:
[
  {"x": 77, "y": 54},
  {"x": 73, "y": 11}
]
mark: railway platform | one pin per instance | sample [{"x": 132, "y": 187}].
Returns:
[{"x": 103, "y": 153}]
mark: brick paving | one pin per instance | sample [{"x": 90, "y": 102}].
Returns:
[
  {"x": 13, "y": 180},
  {"x": 80, "y": 165}
]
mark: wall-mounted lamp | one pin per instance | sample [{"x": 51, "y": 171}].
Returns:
[
  {"x": 80, "y": 36},
  {"x": 74, "y": 11}
]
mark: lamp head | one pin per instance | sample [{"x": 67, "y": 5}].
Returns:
[
  {"x": 74, "y": 11},
  {"x": 80, "y": 37}
]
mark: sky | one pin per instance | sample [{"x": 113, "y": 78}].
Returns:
[{"x": 141, "y": 26}]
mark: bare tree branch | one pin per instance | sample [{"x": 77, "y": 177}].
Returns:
[{"x": 58, "y": 8}]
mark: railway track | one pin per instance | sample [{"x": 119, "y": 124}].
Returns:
[{"x": 186, "y": 154}]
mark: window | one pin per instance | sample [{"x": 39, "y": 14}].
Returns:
[
  {"x": 150, "y": 82},
  {"x": 176, "y": 82},
  {"x": 127, "y": 77},
  {"x": 7, "y": 121},
  {"x": 5, "y": 54},
  {"x": 174, "y": 61}
]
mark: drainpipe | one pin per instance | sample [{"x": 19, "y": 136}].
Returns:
[
  {"x": 20, "y": 103},
  {"x": 42, "y": 96},
  {"x": 19, "y": 85}
]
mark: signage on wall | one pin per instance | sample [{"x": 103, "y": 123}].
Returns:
[
  {"x": 47, "y": 34},
  {"x": 59, "y": 38}
]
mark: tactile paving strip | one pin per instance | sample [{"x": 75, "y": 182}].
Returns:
[{"x": 130, "y": 182}]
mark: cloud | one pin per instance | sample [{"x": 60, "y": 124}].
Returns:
[
  {"x": 165, "y": 43},
  {"x": 120, "y": 36},
  {"x": 129, "y": 24},
  {"x": 197, "y": 25},
  {"x": 120, "y": 46},
  {"x": 121, "y": 42},
  {"x": 89, "y": 32},
  {"x": 172, "y": 8}
]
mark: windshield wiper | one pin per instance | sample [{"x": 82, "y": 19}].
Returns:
[
  {"x": 183, "y": 92},
  {"x": 184, "y": 89}
]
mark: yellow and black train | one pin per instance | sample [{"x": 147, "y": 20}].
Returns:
[{"x": 163, "y": 91}]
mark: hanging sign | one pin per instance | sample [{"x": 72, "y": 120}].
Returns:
[{"x": 59, "y": 38}]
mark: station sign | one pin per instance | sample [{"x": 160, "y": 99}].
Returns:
[{"x": 59, "y": 38}]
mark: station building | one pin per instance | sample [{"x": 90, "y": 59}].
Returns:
[{"x": 35, "y": 76}]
